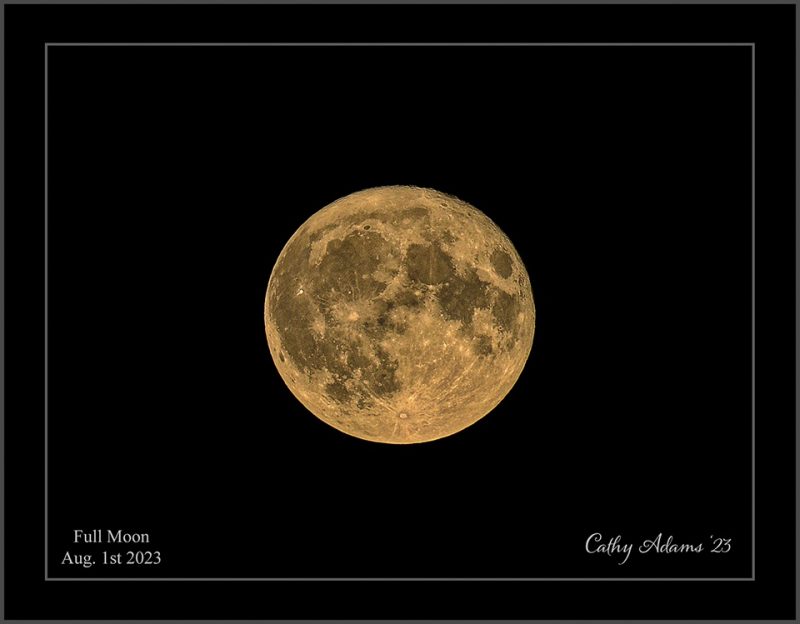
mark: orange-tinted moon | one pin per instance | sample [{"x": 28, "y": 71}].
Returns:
[{"x": 399, "y": 314}]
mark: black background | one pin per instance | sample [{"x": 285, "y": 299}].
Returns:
[{"x": 177, "y": 174}]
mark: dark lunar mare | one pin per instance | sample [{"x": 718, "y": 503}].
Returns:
[{"x": 459, "y": 296}]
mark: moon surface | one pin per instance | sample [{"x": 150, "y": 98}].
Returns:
[{"x": 399, "y": 314}]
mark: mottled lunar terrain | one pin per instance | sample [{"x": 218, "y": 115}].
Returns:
[{"x": 399, "y": 314}]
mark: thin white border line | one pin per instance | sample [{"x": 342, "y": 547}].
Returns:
[
  {"x": 356, "y": 44},
  {"x": 388, "y": 579},
  {"x": 753, "y": 303},
  {"x": 46, "y": 316},
  {"x": 752, "y": 45}
]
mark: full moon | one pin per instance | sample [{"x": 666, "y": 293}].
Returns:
[{"x": 399, "y": 314}]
